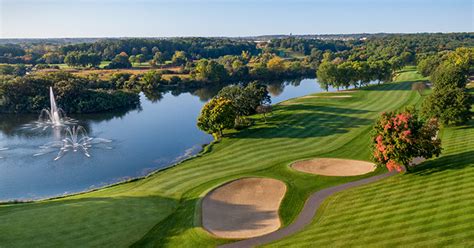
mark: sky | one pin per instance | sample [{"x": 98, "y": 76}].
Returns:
[{"x": 170, "y": 18}]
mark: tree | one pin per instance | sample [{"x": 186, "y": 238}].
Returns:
[
  {"x": 245, "y": 55},
  {"x": 326, "y": 74},
  {"x": 140, "y": 58},
  {"x": 364, "y": 73},
  {"x": 462, "y": 57},
  {"x": 450, "y": 106},
  {"x": 179, "y": 58},
  {"x": 381, "y": 70},
  {"x": 144, "y": 51},
  {"x": 82, "y": 59},
  {"x": 449, "y": 101},
  {"x": 276, "y": 65},
  {"x": 396, "y": 63},
  {"x": 209, "y": 70},
  {"x": 132, "y": 59},
  {"x": 120, "y": 61},
  {"x": 157, "y": 59},
  {"x": 345, "y": 75},
  {"x": 406, "y": 58},
  {"x": 151, "y": 80},
  {"x": 245, "y": 100},
  {"x": 216, "y": 115},
  {"x": 52, "y": 58},
  {"x": 449, "y": 76},
  {"x": 428, "y": 65},
  {"x": 398, "y": 137}
]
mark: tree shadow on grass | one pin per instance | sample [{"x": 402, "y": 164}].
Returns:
[
  {"x": 59, "y": 222},
  {"x": 405, "y": 86},
  {"x": 304, "y": 121},
  {"x": 456, "y": 161},
  {"x": 319, "y": 108}
]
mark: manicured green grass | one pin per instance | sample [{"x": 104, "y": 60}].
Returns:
[
  {"x": 409, "y": 73},
  {"x": 432, "y": 207},
  {"x": 141, "y": 65},
  {"x": 163, "y": 209}
]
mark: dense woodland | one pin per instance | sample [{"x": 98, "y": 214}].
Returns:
[{"x": 28, "y": 68}]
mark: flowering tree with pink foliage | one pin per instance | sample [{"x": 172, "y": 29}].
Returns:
[{"x": 398, "y": 137}]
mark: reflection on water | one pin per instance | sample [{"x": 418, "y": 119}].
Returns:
[{"x": 160, "y": 132}]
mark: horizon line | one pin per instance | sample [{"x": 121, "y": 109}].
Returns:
[{"x": 242, "y": 36}]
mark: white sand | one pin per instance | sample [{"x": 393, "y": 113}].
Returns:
[
  {"x": 334, "y": 167},
  {"x": 243, "y": 208}
]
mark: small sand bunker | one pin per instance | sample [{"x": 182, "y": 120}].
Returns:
[
  {"x": 334, "y": 167},
  {"x": 243, "y": 208}
]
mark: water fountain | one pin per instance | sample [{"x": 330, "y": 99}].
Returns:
[
  {"x": 51, "y": 118},
  {"x": 75, "y": 139},
  {"x": 54, "y": 114}
]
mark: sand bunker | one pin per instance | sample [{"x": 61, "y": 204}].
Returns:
[
  {"x": 243, "y": 208},
  {"x": 334, "y": 167}
]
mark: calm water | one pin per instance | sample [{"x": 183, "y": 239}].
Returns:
[{"x": 157, "y": 135}]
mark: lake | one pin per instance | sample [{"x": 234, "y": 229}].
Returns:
[{"x": 158, "y": 134}]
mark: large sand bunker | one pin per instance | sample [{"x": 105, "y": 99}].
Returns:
[
  {"x": 243, "y": 208},
  {"x": 334, "y": 167}
]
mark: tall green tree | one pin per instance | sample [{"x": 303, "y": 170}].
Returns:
[
  {"x": 216, "y": 115},
  {"x": 120, "y": 61},
  {"x": 449, "y": 102},
  {"x": 179, "y": 58},
  {"x": 326, "y": 74},
  {"x": 245, "y": 100},
  {"x": 450, "y": 106},
  {"x": 209, "y": 70}
]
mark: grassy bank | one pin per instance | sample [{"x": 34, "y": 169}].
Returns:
[{"x": 163, "y": 209}]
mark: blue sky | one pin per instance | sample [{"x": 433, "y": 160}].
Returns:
[{"x": 146, "y": 18}]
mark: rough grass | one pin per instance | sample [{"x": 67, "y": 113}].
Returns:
[{"x": 163, "y": 209}]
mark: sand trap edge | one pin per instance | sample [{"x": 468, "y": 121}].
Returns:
[
  {"x": 199, "y": 215},
  {"x": 335, "y": 167}
]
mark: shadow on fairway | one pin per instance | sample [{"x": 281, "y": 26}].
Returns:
[
  {"x": 82, "y": 222},
  {"x": 174, "y": 225},
  {"x": 456, "y": 161},
  {"x": 403, "y": 85},
  {"x": 317, "y": 121}
]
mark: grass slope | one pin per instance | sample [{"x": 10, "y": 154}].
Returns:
[
  {"x": 432, "y": 207},
  {"x": 163, "y": 209}
]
